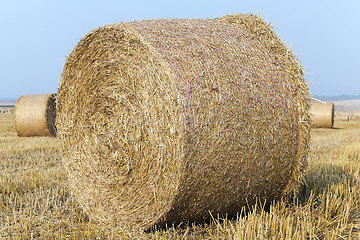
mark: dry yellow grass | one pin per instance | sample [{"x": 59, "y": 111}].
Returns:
[{"x": 35, "y": 201}]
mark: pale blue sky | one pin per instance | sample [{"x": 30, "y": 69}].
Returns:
[{"x": 36, "y": 36}]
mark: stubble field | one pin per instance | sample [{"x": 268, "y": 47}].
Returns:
[{"x": 36, "y": 201}]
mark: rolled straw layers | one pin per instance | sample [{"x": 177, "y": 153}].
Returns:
[{"x": 164, "y": 121}]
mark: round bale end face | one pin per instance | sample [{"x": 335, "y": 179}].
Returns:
[
  {"x": 165, "y": 121},
  {"x": 121, "y": 128},
  {"x": 51, "y": 115}
]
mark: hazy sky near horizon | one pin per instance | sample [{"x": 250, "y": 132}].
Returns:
[{"x": 37, "y": 36}]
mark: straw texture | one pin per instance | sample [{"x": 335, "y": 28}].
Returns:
[
  {"x": 35, "y": 115},
  {"x": 165, "y": 121},
  {"x": 322, "y": 115}
]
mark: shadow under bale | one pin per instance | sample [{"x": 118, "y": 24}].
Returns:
[{"x": 320, "y": 180}]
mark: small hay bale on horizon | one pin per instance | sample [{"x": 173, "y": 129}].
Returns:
[
  {"x": 322, "y": 114},
  {"x": 35, "y": 115},
  {"x": 171, "y": 120},
  {"x": 354, "y": 117}
]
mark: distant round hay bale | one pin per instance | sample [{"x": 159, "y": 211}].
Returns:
[
  {"x": 167, "y": 121},
  {"x": 322, "y": 115},
  {"x": 344, "y": 118},
  {"x": 354, "y": 117},
  {"x": 35, "y": 115}
]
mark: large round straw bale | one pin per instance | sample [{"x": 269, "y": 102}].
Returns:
[
  {"x": 322, "y": 114},
  {"x": 165, "y": 121},
  {"x": 35, "y": 115}
]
